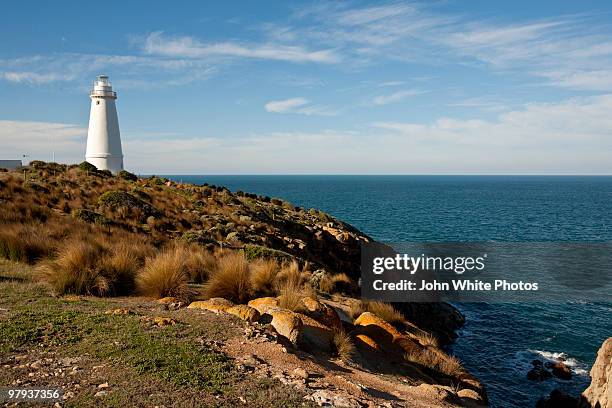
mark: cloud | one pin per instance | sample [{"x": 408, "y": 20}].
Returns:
[
  {"x": 395, "y": 97},
  {"x": 298, "y": 105},
  {"x": 569, "y": 137},
  {"x": 189, "y": 47},
  {"x": 32, "y": 77},
  {"x": 40, "y": 140}
]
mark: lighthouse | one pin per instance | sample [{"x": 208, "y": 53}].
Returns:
[{"x": 103, "y": 138}]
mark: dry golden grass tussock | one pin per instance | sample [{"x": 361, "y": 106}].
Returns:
[
  {"x": 292, "y": 286},
  {"x": 24, "y": 243},
  {"x": 263, "y": 276},
  {"x": 339, "y": 283},
  {"x": 436, "y": 360},
  {"x": 76, "y": 270},
  {"x": 381, "y": 309},
  {"x": 344, "y": 345},
  {"x": 231, "y": 278},
  {"x": 122, "y": 264},
  {"x": 427, "y": 339},
  {"x": 164, "y": 274},
  {"x": 199, "y": 263}
]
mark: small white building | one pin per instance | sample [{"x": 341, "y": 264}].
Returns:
[
  {"x": 10, "y": 164},
  {"x": 103, "y": 137}
]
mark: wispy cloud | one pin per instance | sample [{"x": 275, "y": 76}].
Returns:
[
  {"x": 298, "y": 105},
  {"x": 32, "y": 77},
  {"x": 189, "y": 47},
  {"x": 396, "y": 96}
]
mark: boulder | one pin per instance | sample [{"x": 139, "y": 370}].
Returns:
[
  {"x": 315, "y": 334},
  {"x": 244, "y": 312},
  {"x": 560, "y": 370},
  {"x": 599, "y": 393},
  {"x": 213, "y": 304},
  {"x": 558, "y": 399},
  {"x": 364, "y": 341},
  {"x": 287, "y": 324},
  {"x": 375, "y": 330},
  {"x": 167, "y": 299},
  {"x": 538, "y": 372},
  {"x": 322, "y": 313},
  {"x": 264, "y": 304}
]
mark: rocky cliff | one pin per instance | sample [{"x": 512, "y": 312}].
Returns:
[{"x": 599, "y": 393}]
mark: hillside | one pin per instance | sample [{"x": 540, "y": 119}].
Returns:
[{"x": 216, "y": 297}]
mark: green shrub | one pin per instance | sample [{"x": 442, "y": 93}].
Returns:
[
  {"x": 87, "y": 166},
  {"x": 126, "y": 175},
  {"x": 91, "y": 217}
]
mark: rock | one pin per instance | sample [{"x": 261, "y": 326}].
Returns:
[
  {"x": 103, "y": 385},
  {"x": 248, "y": 313},
  {"x": 538, "y": 372},
  {"x": 367, "y": 342},
  {"x": 301, "y": 373},
  {"x": 325, "y": 398},
  {"x": 100, "y": 393},
  {"x": 469, "y": 395},
  {"x": 264, "y": 304},
  {"x": 322, "y": 313},
  {"x": 167, "y": 299},
  {"x": 558, "y": 399},
  {"x": 599, "y": 393},
  {"x": 287, "y": 324},
  {"x": 560, "y": 370},
  {"x": 315, "y": 334},
  {"x": 160, "y": 321},
  {"x": 121, "y": 311},
  {"x": 213, "y": 304},
  {"x": 377, "y": 333}
]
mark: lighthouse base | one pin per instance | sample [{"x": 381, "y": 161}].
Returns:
[{"x": 114, "y": 164}]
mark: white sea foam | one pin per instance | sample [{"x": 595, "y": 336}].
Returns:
[{"x": 577, "y": 366}]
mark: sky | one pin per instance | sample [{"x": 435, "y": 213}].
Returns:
[{"x": 351, "y": 87}]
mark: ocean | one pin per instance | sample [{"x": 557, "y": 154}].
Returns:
[{"x": 498, "y": 341}]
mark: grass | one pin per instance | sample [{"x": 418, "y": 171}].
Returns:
[
  {"x": 291, "y": 283},
  {"x": 381, "y": 309},
  {"x": 164, "y": 274},
  {"x": 263, "y": 276},
  {"x": 23, "y": 243},
  {"x": 231, "y": 279},
  {"x": 344, "y": 345},
  {"x": 436, "y": 360},
  {"x": 427, "y": 339},
  {"x": 145, "y": 366},
  {"x": 338, "y": 283},
  {"x": 76, "y": 270}
]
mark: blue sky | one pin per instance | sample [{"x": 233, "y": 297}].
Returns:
[{"x": 448, "y": 87}]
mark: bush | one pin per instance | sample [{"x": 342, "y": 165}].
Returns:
[
  {"x": 231, "y": 279},
  {"x": 164, "y": 275},
  {"x": 126, "y": 175},
  {"x": 91, "y": 217},
  {"x": 87, "y": 166}
]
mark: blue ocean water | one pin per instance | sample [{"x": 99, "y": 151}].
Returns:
[{"x": 499, "y": 340}]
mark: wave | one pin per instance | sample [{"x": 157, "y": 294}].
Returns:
[{"x": 578, "y": 367}]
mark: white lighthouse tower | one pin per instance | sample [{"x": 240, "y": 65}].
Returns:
[{"x": 103, "y": 138}]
